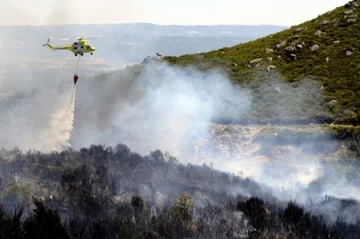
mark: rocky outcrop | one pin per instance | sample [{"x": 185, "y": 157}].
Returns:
[
  {"x": 315, "y": 47},
  {"x": 349, "y": 12},
  {"x": 281, "y": 44},
  {"x": 319, "y": 33},
  {"x": 293, "y": 56},
  {"x": 270, "y": 68},
  {"x": 325, "y": 22},
  {"x": 254, "y": 63},
  {"x": 352, "y": 16},
  {"x": 290, "y": 49},
  {"x": 292, "y": 46},
  {"x": 269, "y": 50}
]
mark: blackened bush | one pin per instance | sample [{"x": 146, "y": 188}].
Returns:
[
  {"x": 85, "y": 189},
  {"x": 293, "y": 214},
  {"x": 138, "y": 203},
  {"x": 44, "y": 223},
  {"x": 255, "y": 210},
  {"x": 10, "y": 226}
]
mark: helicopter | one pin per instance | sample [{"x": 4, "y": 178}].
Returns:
[{"x": 80, "y": 47}]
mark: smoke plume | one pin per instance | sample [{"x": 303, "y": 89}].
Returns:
[
  {"x": 156, "y": 109},
  {"x": 41, "y": 119},
  {"x": 172, "y": 108}
]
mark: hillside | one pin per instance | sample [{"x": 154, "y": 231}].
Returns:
[
  {"x": 113, "y": 192},
  {"x": 325, "y": 50}
]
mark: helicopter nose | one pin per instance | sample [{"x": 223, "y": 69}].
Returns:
[{"x": 93, "y": 48}]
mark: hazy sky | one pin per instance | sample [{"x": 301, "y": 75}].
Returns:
[{"x": 185, "y": 12}]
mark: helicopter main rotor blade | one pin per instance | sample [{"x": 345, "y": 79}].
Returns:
[{"x": 88, "y": 38}]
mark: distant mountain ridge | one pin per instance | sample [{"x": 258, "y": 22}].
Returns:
[
  {"x": 120, "y": 44},
  {"x": 252, "y": 31}
]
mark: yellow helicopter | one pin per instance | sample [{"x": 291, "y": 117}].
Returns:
[{"x": 80, "y": 47}]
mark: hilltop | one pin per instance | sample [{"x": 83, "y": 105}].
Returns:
[{"x": 324, "y": 50}]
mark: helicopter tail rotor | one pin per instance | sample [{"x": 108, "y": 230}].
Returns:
[
  {"x": 47, "y": 42},
  {"x": 49, "y": 45}
]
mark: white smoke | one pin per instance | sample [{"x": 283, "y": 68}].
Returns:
[
  {"x": 165, "y": 104},
  {"x": 42, "y": 120},
  {"x": 158, "y": 108},
  {"x": 167, "y": 108}
]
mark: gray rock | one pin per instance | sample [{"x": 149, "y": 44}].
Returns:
[
  {"x": 234, "y": 64},
  {"x": 351, "y": 20},
  {"x": 353, "y": 16},
  {"x": 299, "y": 46},
  {"x": 279, "y": 57},
  {"x": 269, "y": 59},
  {"x": 348, "y": 53},
  {"x": 327, "y": 59},
  {"x": 336, "y": 42},
  {"x": 281, "y": 44},
  {"x": 268, "y": 50},
  {"x": 293, "y": 43},
  {"x": 325, "y": 22},
  {"x": 257, "y": 60},
  {"x": 319, "y": 33},
  {"x": 296, "y": 37},
  {"x": 271, "y": 67},
  {"x": 349, "y": 12},
  {"x": 314, "y": 47},
  {"x": 298, "y": 29},
  {"x": 293, "y": 55},
  {"x": 290, "y": 49}
]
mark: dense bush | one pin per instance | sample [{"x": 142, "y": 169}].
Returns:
[{"x": 100, "y": 192}]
